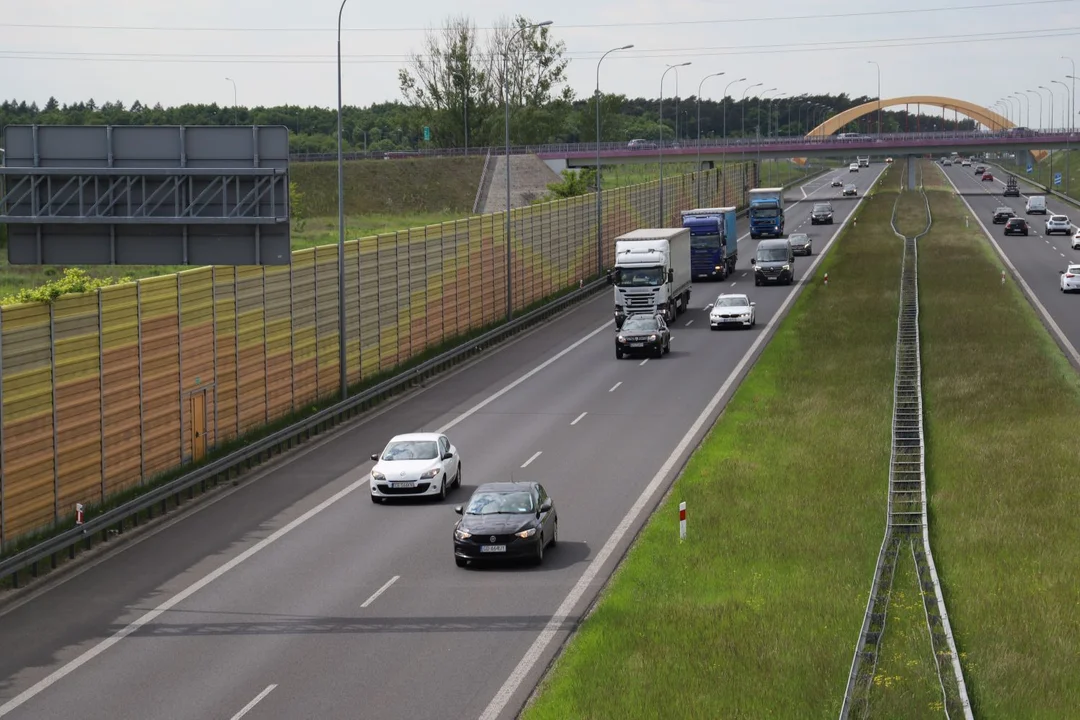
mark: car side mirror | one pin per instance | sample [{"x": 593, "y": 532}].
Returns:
[
  {"x": 459, "y": 509},
  {"x": 375, "y": 457},
  {"x": 752, "y": 304},
  {"x": 546, "y": 505},
  {"x": 611, "y": 277},
  {"x": 671, "y": 275},
  {"x": 447, "y": 455},
  {"x": 753, "y": 261},
  {"x": 1061, "y": 272}
]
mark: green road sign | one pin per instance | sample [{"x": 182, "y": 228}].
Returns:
[{"x": 427, "y": 134}]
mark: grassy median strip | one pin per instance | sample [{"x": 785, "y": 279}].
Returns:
[
  {"x": 1003, "y": 406},
  {"x": 758, "y": 612}
]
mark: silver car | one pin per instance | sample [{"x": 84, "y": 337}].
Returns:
[{"x": 1058, "y": 224}]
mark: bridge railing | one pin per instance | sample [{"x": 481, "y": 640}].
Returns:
[{"x": 710, "y": 143}]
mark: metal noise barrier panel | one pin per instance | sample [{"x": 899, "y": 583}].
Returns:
[
  {"x": 906, "y": 508},
  {"x": 101, "y": 392}
]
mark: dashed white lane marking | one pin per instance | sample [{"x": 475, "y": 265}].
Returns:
[
  {"x": 615, "y": 386},
  {"x": 578, "y": 418},
  {"x": 255, "y": 701},
  {"x": 529, "y": 461},
  {"x": 375, "y": 595}
]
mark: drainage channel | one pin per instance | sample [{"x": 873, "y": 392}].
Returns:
[{"x": 906, "y": 521}]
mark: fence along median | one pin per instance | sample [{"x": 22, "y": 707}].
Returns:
[{"x": 104, "y": 391}]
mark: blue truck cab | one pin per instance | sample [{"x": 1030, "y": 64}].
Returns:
[
  {"x": 766, "y": 212},
  {"x": 714, "y": 242}
]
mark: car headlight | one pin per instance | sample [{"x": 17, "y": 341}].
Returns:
[
  {"x": 652, "y": 338},
  {"x": 621, "y": 339},
  {"x": 526, "y": 533},
  {"x": 430, "y": 473},
  {"x": 462, "y": 534},
  {"x": 786, "y": 267},
  {"x": 377, "y": 476}
]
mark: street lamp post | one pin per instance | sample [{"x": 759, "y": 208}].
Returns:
[
  {"x": 875, "y": 64},
  {"x": 1051, "y": 94},
  {"x": 1027, "y": 101},
  {"x": 669, "y": 69},
  {"x": 757, "y": 126},
  {"x": 1072, "y": 95},
  {"x": 697, "y": 169},
  {"x": 235, "y": 110},
  {"x": 599, "y": 198},
  {"x": 723, "y": 136},
  {"x": 676, "y": 68},
  {"x": 1039, "y": 103},
  {"x": 342, "y": 347},
  {"x": 1065, "y": 125},
  {"x": 506, "y": 121}
]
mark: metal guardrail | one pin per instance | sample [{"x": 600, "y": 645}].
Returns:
[
  {"x": 906, "y": 507},
  {"x": 225, "y": 468}
]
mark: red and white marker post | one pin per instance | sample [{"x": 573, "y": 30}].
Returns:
[
  {"x": 682, "y": 521},
  {"x": 1002, "y": 277},
  {"x": 826, "y": 278},
  {"x": 78, "y": 514}
]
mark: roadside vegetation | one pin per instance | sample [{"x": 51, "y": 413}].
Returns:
[
  {"x": 1002, "y": 407},
  {"x": 1066, "y": 163},
  {"x": 758, "y": 612}
]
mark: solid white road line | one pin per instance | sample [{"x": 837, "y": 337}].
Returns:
[
  {"x": 148, "y": 617},
  {"x": 562, "y": 614},
  {"x": 578, "y": 418},
  {"x": 375, "y": 595},
  {"x": 615, "y": 386},
  {"x": 535, "y": 455},
  {"x": 258, "y": 698},
  {"x": 1069, "y": 347}
]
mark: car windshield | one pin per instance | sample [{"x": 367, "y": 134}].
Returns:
[
  {"x": 772, "y": 254},
  {"x": 797, "y": 237},
  {"x": 764, "y": 212},
  {"x": 501, "y": 503},
  {"x": 640, "y": 323},
  {"x": 1059, "y": 218},
  {"x": 641, "y": 277},
  {"x": 731, "y": 302},
  {"x": 822, "y": 208},
  {"x": 705, "y": 240},
  {"x": 1017, "y": 221},
  {"x": 411, "y": 450}
]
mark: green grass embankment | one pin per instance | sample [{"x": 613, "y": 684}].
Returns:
[
  {"x": 1066, "y": 163},
  {"x": 757, "y": 613},
  {"x": 1002, "y": 408}
]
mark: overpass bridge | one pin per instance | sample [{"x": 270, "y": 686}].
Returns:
[{"x": 999, "y": 134}]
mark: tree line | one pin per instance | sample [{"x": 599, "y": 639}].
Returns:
[{"x": 458, "y": 74}]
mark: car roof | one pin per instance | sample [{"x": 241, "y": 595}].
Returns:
[
  {"x": 416, "y": 436},
  {"x": 796, "y": 234},
  {"x": 733, "y": 295},
  {"x": 504, "y": 487},
  {"x": 1004, "y": 207},
  {"x": 1059, "y": 217}
]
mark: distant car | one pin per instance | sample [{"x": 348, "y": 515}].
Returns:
[
  {"x": 732, "y": 309},
  {"x": 1017, "y": 226},
  {"x": 965, "y": 163},
  {"x": 506, "y": 520},
  {"x": 850, "y": 190},
  {"x": 640, "y": 144},
  {"x": 987, "y": 176},
  {"x": 1070, "y": 278},
  {"x": 1012, "y": 188},
  {"x": 822, "y": 214},
  {"x": 1075, "y": 245},
  {"x": 837, "y": 182},
  {"x": 1058, "y": 224},
  {"x": 853, "y": 167},
  {"x": 416, "y": 465},
  {"x": 947, "y": 162},
  {"x": 1002, "y": 214},
  {"x": 641, "y": 334},
  {"x": 980, "y": 170},
  {"x": 801, "y": 244},
  {"x": 888, "y": 161}
]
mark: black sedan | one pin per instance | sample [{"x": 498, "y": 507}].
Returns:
[
  {"x": 644, "y": 334},
  {"x": 505, "y": 520},
  {"x": 801, "y": 244},
  {"x": 1002, "y": 215},
  {"x": 1017, "y": 226}
]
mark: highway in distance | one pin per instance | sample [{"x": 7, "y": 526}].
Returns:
[
  {"x": 1038, "y": 258},
  {"x": 295, "y": 596}
]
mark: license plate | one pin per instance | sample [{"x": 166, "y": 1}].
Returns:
[
  {"x": 637, "y": 344},
  {"x": 492, "y": 548},
  {"x": 402, "y": 484}
]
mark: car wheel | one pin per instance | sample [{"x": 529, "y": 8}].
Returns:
[
  {"x": 555, "y": 532},
  {"x": 659, "y": 351},
  {"x": 618, "y": 354},
  {"x": 457, "y": 483},
  {"x": 539, "y": 551},
  {"x": 442, "y": 489},
  {"x": 809, "y": 251},
  {"x": 461, "y": 562}
]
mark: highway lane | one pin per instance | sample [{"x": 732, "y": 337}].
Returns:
[
  {"x": 1037, "y": 258},
  {"x": 438, "y": 641}
]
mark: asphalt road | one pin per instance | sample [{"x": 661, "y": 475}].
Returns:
[
  {"x": 295, "y": 596},
  {"x": 1038, "y": 258}
]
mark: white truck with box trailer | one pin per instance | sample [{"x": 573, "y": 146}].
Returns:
[{"x": 652, "y": 273}]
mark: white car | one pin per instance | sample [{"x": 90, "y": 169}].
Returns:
[
  {"x": 1058, "y": 223},
  {"x": 732, "y": 309},
  {"x": 1070, "y": 278},
  {"x": 965, "y": 163},
  {"x": 1076, "y": 240},
  {"x": 415, "y": 465},
  {"x": 853, "y": 167}
]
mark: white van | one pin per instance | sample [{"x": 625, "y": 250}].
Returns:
[{"x": 1035, "y": 204}]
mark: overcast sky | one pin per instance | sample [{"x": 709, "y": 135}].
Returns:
[{"x": 282, "y": 51}]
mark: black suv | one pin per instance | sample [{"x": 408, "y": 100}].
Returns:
[
  {"x": 1017, "y": 225},
  {"x": 822, "y": 214},
  {"x": 1002, "y": 215},
  {"x": 774, "y": 262},
  {"x": 644, "y": 334}
]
